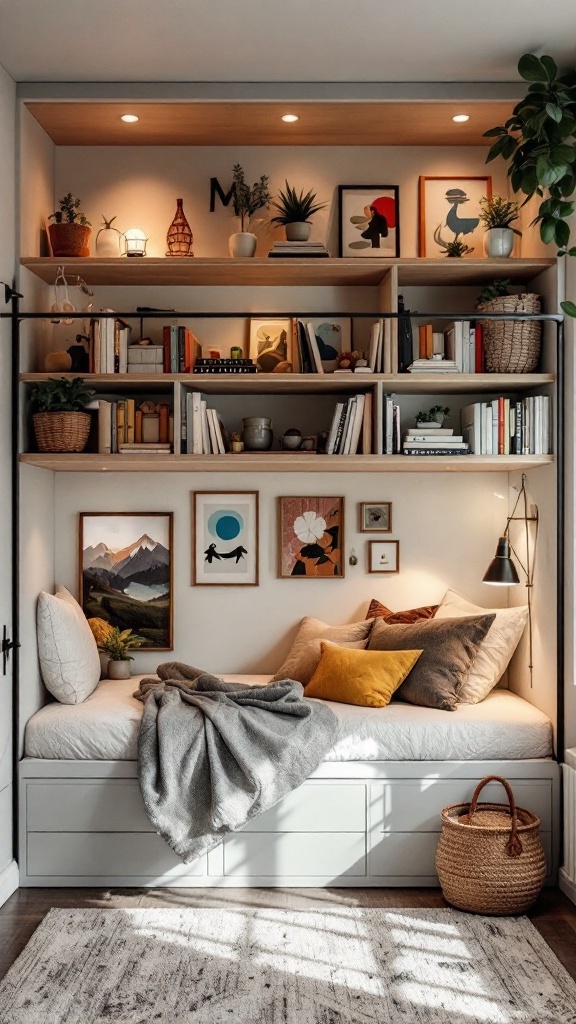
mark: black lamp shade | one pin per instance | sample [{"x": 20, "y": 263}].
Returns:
[{"x": 502, "y": 572}]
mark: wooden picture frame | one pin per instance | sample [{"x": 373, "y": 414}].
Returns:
[
  {"x": 383, "y": 556},
  {"x": 311, "y": 538},
  {"x": 228, "y": 522},
  {"x": 133, "y": 536},
  {"x": 270, "y": 343},
  {"x": 437, "y": 210},
  {"x": 369, "y": 221},
  {"x": 375, "y": 517}
]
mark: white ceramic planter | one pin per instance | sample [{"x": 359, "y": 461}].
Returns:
[
  {"x": 299, "y": 231},
  {"x": 241, "y": 244},
  {"x": 498, "y": 242},
  {"x": 119, "y": 669}
]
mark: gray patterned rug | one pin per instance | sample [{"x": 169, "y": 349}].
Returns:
[{"x": 340, "y": 965}]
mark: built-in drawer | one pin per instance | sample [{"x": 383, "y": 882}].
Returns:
[
  {"x": 106, "y": 855},
  {"x": 304, "y": 854},
  {"x": 413, "y": 854},
  {"x": 316, "y": 807},
  {"x": 101, "y": 805}
]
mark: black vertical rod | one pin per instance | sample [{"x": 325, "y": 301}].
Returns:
[
  {"x": 15, "y": 483},
  {"x": 560, "y": 539}
]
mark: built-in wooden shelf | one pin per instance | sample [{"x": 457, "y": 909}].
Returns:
[
  {"x": 151, "y": 270},
  {"x": 277, "y": 462}
]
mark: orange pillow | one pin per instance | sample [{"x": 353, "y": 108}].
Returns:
[
  {"x": 365, "y": 678},
  {"x": 376, "y": 610}
]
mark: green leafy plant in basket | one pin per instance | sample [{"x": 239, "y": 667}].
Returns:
[
  {"x": 61, "y": 395},
  {"x": 119, "y": 643},
  {"x": 493, "y": 291},
  {"x": 60, "y": 422}
]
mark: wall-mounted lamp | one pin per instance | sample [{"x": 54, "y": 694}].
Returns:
[
  {"x": 502, "y": 572},
  {"x": 134, "y": 242}
]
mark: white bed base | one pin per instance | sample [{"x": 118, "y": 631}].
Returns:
[{"x": 352, "y": 824}]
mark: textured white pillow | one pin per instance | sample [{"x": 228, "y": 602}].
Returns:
[
  {"x": 67, "y": 650},
  {"x": 496, "y": 648}
]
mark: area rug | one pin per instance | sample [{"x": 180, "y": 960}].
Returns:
[{"x": 340, "y": 965}]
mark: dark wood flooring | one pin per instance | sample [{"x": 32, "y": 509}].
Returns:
[{"x": 553, "y": 914}]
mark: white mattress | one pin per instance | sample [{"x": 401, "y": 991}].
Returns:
[{"x": 503, "y": 727}]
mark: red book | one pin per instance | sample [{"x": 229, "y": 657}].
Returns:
[
  {"x": 479, "y": 350},
  {"x": 422, "y": 342},
  {"x": 500, "y": 426},
  {"x": 164, "y": 413}
]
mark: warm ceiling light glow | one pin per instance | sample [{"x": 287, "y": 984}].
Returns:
[
  {"x": 289, "y": 118},
  {"x": 461, "y": 117},
  {"x": 129, "y": 118}
]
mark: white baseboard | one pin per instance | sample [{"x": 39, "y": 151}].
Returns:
[
  {"x": 567, "y": 886},
  {"x": 9, "y": 881}
]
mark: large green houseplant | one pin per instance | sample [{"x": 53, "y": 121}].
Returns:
[{"x": 538, "y": 141}]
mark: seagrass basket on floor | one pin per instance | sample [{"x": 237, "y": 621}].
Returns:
[
  {"x": 511, "y": 346},
  {"x": 61, "y": 431},
  {"x": 490, "y": 859}
]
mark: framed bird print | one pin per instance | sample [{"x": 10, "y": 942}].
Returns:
[
  {"x": 311, "y": 538},
  {"x": 449, "y": 215},
  {"x": 225, "y": 538},
  {"x": 369, "y": 221}
]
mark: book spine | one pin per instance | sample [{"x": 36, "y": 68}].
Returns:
[
  {"x": 435, "y": 451},
  {"x": 130, "y": 420},
  {"x": 138, "y": 426},
  {"x": 330, "y": 444},
  {"x": 166, "y": 348},
  {"x": 340, "y": 429},
  {"x": 164, "y": 413}
]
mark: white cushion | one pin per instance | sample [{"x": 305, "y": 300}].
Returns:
[
  {"x": 67, "y": 650},
  {"x": 496, "y": 649}
]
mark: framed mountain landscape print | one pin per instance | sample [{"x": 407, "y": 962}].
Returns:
[
  {"x": 126, "y": 573},
  {"x": 225, "y": 545},
  {"x": 369, "y": 221}
]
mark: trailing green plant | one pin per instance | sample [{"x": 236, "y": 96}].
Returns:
[
  {"x": 295, "y": 208},
  {"x": 436, "y": 414},
  {"x": 247, "y": 199},
  {"x": 70, "y": 212},
  {"x": 454, "y": 248},
  {"x": 538, "y": 142},
  {"x": 493, "y": 291},
  {"x": 499, "y": 212},
  {"x": 61, "y": 395},
  {"x": 119, "y": 643}
]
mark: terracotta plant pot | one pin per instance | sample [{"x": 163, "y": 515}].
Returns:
[
  {"x": 61, "y": 431},
  {"x": 298, "y": 231},
  {"x": 69, "y": 239}
]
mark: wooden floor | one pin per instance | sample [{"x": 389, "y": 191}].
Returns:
[{"x": 553, "y": 914}]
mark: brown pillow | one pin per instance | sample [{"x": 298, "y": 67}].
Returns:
[
  {"x": 304, "y": 657},
  {"x": 448, "y": 646},
  {"x": 376, "y": 610}
]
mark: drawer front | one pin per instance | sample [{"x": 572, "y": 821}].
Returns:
[
  {"x": 105, "y": 854},
  {"x": 408, "y": 805},
  {"x": 413, "y": 854},
  {"x": 316, "y": 807},
  {"x": 111, "y": 805},
  {"x": 295, "y": 854}
]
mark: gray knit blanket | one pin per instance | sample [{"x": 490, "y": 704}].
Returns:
[{"x": 212, "y": 755}]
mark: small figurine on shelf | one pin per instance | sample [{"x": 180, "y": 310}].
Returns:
[
  {"x": 80, "y": 354},
  {"x": 179, "y": 238},
  {"x": 236, "y": 442}
]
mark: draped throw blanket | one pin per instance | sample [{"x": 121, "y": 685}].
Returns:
[{"x": 212, "y": 755}]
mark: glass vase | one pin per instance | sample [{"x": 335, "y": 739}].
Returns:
[{"x": 179, "y": 238}]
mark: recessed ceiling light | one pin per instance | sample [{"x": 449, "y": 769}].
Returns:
[
  {"x": 129, "y": 118},
  {"x": 461, "y": 117},
  {"x": 290, "y": 117}
]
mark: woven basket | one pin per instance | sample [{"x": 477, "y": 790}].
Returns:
[
  {"x": 490, "y": 859},
  {"x": 61, "y": 431},
  {"x": 511, "y": 346}
]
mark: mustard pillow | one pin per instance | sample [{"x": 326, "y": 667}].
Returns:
[{"x": 365, "y": 678}]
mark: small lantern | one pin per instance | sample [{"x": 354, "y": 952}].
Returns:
[{"x": 134, "y": 242}]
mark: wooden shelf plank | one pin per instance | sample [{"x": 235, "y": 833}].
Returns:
[{"x": 277, "y": 462}]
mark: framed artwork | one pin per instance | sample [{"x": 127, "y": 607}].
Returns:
[
  {"x": 376, "y": 517},
  {"x": 384, "y": 556},
  {"x": 311, "y": 538},
  {"x": 369, "y": 221},
  {"x": 333, "y": 336},
  {"x": 126, "y": 572},
  {"x": 270, "y": 343},
  {"x": 225, "y": 538},
  {"x": 449, "y": 209}
]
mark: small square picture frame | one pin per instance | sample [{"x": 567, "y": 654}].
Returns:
[
  {"x": 375, "y": 516},
  {"x": 384, "y": 556},
  {"x": 270, "y": 343}
]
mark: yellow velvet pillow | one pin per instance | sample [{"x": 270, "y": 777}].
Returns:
[{"x": 365, "y": 678}]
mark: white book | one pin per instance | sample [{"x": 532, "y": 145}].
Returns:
[
  {"x": 374, "y": 346},
  {"x": 387, "y": 347},
  {"x": 96, "y": 357},
  {"x": 212, "y": 431},
  {"x": 494, "y": 420},
  {"x": 388, "y": 424},
  {"x": 347, "y": 435},
  {"x": 314, "y": 347},
  {"x": 465, "y": 336},
  {"x": 196, "y": 421},
  {"x": 110, "y": 368},
  {"x": 206, "y": 447},
  {"x": 217, "y": 432},
  {"x": 357, "y": 425},
  {"x": 472, "y": 427},
  {"x": 124, "y": 333},
  {"x": 104, "y": 427},
  {"x": 487, "y": 428},
  {"x": 334, "y": 428},
  {"x": 434, "y": 438},
  {"x": 437, "y": 343},
  {"x": 415, "y": 445}
]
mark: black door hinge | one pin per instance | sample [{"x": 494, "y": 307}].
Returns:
[{"x": 7, "y": 646}]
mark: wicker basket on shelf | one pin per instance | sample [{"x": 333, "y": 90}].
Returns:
[
  {"x": 511, "y": 346},
  {"x": 61, "y": 431},
  {"x": 489, "y": 858}
]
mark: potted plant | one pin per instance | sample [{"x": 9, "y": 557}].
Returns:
[
  {"x": 117, "y": 645},
  {"x": 455, "y": 248},
  {"x": 70, "y": 232},
  {"x": 60, "y": 424},
  {"x": 294, "y": 212},
  {"x": 497, "y": 215},
  {"x": 433, "y": 418},
  {"x": 246, "y": 200}
]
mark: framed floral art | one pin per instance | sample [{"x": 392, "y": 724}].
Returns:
[{"x": 311, "y": 538}]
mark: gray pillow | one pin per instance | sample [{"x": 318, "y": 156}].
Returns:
[{"x": 448, "y": 646}]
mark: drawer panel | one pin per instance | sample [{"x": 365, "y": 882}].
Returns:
[
  {"x": 105, "y": 854},
  {"x": 289, "y": 853},
  {"x": 316, "y": 807},
  {"x": 408, "y": 853},
  {"x": 407, "y": 805},
  {"x": 112, "y": 805}
]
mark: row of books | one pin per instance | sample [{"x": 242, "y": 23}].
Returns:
[
  {"x": 109, "y": 339},
  {"x": 203, "y": 432},
  {"x": 124, "y": 427},
  {"x": 351, "y": 428},
  {"x": 181, "y": 349},
  {"x": 506, "y": 427},
  {"x": 457, "y": 349}
]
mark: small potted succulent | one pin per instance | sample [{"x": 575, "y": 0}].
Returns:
[
  {"x": 497, "y": 215},
  {"x": 70, "y": 232},
  {"x": 246, "y": 200},
  {"x": 60, "y": 422},
  {"x": 294, "y": 212},
  {"x": 117, "y": 645}
]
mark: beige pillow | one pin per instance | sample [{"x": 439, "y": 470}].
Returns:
[
  {"x": 304, "y": 657},
  {"x": 495, "y": 649}
]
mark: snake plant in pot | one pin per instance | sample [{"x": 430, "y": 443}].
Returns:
[
  {"x": 60, "y": 422},
  {"x": 294, "y": 212}
]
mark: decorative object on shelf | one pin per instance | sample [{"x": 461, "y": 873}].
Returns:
[
  {"x": 294, "y": 212},
  {"x": 433, "y": 418},
  {"x": 57, "y": 362},
  {"x": 333, "y": 337},
  {"x": 449, "y": 212},
  {"x": 80, "y": 354},
  {"x": 311, "y": 538},
  {"x": 118, "y": 644},
  {"x": 537, "y": 142},
  {"x": 291, "y": 440},
  {"x": 510, "y": 346},
  {"x": 226, "y": 538},
  {"x": 246, "y": 200},
  {"x": 60, "y": 424},
  {"x": 497, "y": 215},
  {"x": 126, "y": 573},
  {"x": 135, "y": 241},
  {"x": 346, "y": 361},
  {"x": 369, "y": 221},
  {"x": 62, "y": 303},
  {"x": 257, "y": 434},
  {"x": 70, "y": 233},
  {"x": 236, "y": 352},
  {"x": 270, "y": 343},
  {"x": 383, "y": 556},
  {"x": 107, "y": 243},
  {"x": 375, "y": 517},
  {"x": 179, "y": 238},
  {"x": 353, "y": 559},
  {"x": 236, "y": 442}
]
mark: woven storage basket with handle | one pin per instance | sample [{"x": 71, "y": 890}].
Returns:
[
  {"x": 490, "y": 859},
  {"x": 511, "y": 346},
  {"x": 61, "y": 431}
]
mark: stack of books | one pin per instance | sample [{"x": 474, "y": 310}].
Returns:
[
  {"x": 225, "y": 366},
  {"x": 351, "y": 422},
  {"x": 425, "y": 440},
  {"x": 283, "y": 249},
  {"x": 434, "y": 365},
  {"x": 506, "y": 427}
]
